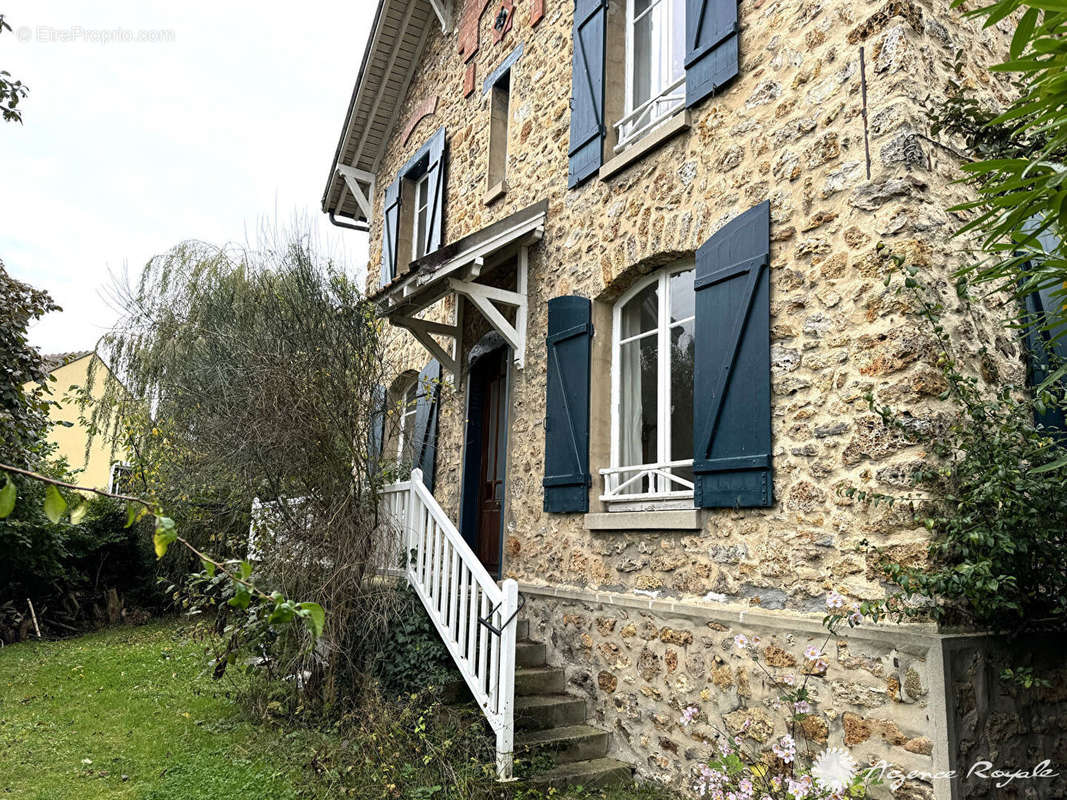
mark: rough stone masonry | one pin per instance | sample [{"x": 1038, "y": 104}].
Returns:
[{"x": 644, "y": 622}]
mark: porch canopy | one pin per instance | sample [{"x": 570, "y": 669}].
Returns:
[{"x": 461, "y": 268}]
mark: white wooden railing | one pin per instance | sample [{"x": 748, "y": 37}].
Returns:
[
  {"x": 647, "y": 115},
  {"x": 639, "y": 482},
  {"x": 474, "y": 616}
]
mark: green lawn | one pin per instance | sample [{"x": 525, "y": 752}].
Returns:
[
  {"x": 131, "y": 713},
  {"x": 128, "y": 713}
]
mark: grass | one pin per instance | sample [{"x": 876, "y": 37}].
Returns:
[
  {"x": 128, "y": 713},
  {"x": 131, "y": 713}
]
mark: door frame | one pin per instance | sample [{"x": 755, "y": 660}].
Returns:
[{"x": 490, "y": 344}]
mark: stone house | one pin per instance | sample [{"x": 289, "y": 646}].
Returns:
[{"x": 629, "y": 249}]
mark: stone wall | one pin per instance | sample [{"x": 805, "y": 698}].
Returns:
[
  {"x": 1006, "y": 725},
  {"x": 790, "y": 129}
]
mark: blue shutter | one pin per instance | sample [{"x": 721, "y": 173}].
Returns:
[
  {"x": 427, "y": 398},
  {"x": 587, "y": 90},
  {"x": 732, "y": 375},
  {"x": 1046, "y": 337},
  {"x": 567, "y": 479},
  {"x": 390, "y": 231},
  {"x": 710, "y": 47},
  {"x": 435, "y": 168}
]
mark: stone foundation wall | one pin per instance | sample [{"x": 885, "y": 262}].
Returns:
[{"x": 640, "y": 663}]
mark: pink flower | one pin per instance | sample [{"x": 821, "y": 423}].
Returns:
[
  {"x": 689, "y": 715},
  {"x": 741, "y": 641},
  {"x": 811, "y": 653},
  {"x": 785, "y": 748},
  {"x": 834, "y": 600},
  {"x": 802, "y": 707}
]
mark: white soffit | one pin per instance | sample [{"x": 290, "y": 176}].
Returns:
[{"x": 397, "y": 38}]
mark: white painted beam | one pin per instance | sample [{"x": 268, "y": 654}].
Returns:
[
  {"x": 361, "y": 184},
  {"x": 443, "y": 10},
  {"x": 422, "y": 329}
]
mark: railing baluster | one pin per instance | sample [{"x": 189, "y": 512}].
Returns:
[
  {"x": 452, "y": 596},
  {"x": 483, "y": 640},
  {"x": 464, "y": 602}
]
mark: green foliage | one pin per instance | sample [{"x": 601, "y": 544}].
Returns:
[
  {"x": 11, "y": 91},
  {"x": 998, "y": 554},
  {"x": 23, "y": 374},
  {"x": 247, "y": 373},
  {"x": 1021, "y": 176},
  {"x": 68, "y": 569},
  {"x": 413, "y": 657}
]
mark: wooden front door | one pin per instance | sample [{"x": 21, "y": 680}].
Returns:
[{"x": 486, "y": 458}]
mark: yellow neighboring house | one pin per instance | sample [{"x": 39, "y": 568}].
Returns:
[{"x": 102, "y": 466}]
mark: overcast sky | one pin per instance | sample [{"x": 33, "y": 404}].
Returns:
[{"x": 129, "y": 147}]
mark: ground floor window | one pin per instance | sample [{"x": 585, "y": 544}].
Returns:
[{"x": 652, "y": 391}]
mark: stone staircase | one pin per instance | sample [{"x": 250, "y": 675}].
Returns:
[{"x": 550, "y": 721}]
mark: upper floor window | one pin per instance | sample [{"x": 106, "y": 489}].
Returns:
[
  {"x": 421, "y": 192},
  {"x": 652, "y": 391},
  {"x": 655, "y": 66}
]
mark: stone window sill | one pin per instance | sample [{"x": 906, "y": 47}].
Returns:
[
  {"x": 689, "y": 520},
  {"x": 495, "y": 192},
  {"x": 655, "y": 138}
]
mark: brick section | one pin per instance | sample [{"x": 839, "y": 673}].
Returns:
[
  {"x": 425, "y": 109},
  {"x": 467, "y": 39},
  {"x": 468, "y": 81},
  {"x": 537, "y": 11}
]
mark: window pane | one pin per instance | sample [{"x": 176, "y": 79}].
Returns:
[
  {"x": 420, "y": 232},
  {"x": 682, "y": 360},
  {"x": 677, "y": 40},
  {"x": 638, "y": 404},
  {"x": 641, "y": 314},
  {"x": 683, "y": 299},
  {"x": 642, "y": 60}
]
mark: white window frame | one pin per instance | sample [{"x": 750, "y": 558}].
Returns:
[
  {"x": 421, "y": 189},
  {"x": 117, "y": 467},
  {"x": 663, "y": 489},
  {"x": 408, "y": 406},
  {"x": 671, "y": 101}
]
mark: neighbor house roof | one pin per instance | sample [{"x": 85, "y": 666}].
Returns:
[
  {"x": 54, "y": 361},
  {"x": 397, "y": 37}
]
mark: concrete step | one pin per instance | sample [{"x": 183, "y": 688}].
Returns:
[
  {"x": 530, "y": 654},
  {"x": 595, "y": 773},
  {"x": 539, "y": 680},
  {"x": 543, "y": 711},
  {"x": 565, "y": 745}
]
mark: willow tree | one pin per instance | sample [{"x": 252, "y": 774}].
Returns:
[{"x": 245, "y": 374}]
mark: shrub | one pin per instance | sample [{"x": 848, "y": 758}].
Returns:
[
  {"x": 994, "y": 497},
  {"x": 412, "y": 657}
]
